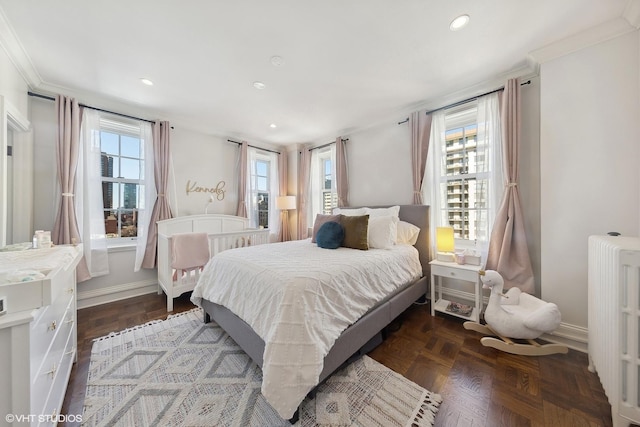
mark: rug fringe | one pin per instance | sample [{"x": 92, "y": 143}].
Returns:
[
  {"x": 152, "y": 322},
  {"x": 425, "y": 413}
]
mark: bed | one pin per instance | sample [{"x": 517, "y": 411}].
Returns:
[
  {"x": 223, "y": 232},
  {"x": 306, "y": 364}
]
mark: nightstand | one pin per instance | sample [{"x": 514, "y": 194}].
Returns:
[{"x": 467, "y": 273}]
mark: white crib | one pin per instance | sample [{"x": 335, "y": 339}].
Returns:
[{"x": 224, "y": 231}]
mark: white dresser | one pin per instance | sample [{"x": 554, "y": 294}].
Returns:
[{"x": 37, "y": 332}]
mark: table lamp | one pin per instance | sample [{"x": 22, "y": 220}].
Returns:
[{"x": 444, "y": 244}]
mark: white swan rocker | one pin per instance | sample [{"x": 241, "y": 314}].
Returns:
[{"x": 516, "y": 315}]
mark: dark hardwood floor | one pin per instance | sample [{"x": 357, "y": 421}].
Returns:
[{"x": 480, "y": 386}]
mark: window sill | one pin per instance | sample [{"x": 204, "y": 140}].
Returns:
[{"x": 122, "y": 247}]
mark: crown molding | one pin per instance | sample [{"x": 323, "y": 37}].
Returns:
[
  {"x": 17, "y": 54},
  {"x": 598, "y": 34}
]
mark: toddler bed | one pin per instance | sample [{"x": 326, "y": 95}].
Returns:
[
  {"x": 203, "y": 236},
  {"x": 300, "y": 311}
]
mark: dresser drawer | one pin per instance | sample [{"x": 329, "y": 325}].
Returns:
[
  {"x": 47, "y": 327},
  {"x": 56, "y": 393},
  {"x": 47, "y": 365}
]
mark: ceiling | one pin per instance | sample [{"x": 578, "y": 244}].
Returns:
[{"x": 345, "y": 65}]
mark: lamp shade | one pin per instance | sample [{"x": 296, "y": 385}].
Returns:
[
  {"x": 444, "y": 239},
  {"x": 285, "y": 202}
]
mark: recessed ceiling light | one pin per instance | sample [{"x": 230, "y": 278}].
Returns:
[
  {"x": 259, "y": 85},
  {"x": 458, "y": 23},
  {"x": 273, "y": 126},
  {"x": 277, "y": 61},
  {"x": 147, "y": 82}
]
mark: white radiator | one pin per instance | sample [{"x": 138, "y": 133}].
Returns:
[{"x": 614, "y": 322}]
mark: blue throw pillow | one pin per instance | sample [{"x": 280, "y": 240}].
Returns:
[{"x": 330, "y": 235}]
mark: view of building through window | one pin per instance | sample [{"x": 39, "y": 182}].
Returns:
[
  {"x": 329, "y": 196},
  {"x": 122, "y": 187},
  {"x": 261, "y": 188},
  {"x": 465, "y": 178}
]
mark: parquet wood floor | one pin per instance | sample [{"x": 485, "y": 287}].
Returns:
[{"x": 480, "y": 386}]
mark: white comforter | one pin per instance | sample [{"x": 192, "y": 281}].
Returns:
[{"x": 299, "y": 298}]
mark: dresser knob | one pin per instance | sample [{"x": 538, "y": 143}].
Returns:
[{"x": 52, "y": 372}]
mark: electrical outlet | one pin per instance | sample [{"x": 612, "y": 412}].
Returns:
[{"x": 3, "y": 305}]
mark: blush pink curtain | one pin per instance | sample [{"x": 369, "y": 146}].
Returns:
[
  {"x": 284, "y": 234},
  {"x": 508, "y": 251},
  {"x": 304, "y": 167},
  {"x": 242, "y": 181},
  {"x": 342, "y": 179},
  {"x": 420, "y": 132},
  {"x": 161, "y": 132},
  {"x": 65, "y": 229}
]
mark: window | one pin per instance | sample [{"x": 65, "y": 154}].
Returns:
[
  {"x": 329, "y": 194},
  {"x": 262, "y": 189},
  {"x": 122, "y": 167},
  {"x": 260, "y": 179},
  {"x": 323, "y": 181},
  {"x": 466, "y": 178}
]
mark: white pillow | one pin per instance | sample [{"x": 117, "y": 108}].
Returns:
[
  {"x": 391, "y": 211},
  {"x": 349, "y": 212},
  {"x": 382, "y": 232},
  {"x": 407, "y": 233}
]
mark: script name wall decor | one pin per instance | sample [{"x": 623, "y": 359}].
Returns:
[{"x": 218, "y": 190}]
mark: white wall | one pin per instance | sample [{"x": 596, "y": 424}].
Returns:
[
  {"x": 589, "y": 154},
  {"x": 204, "y": 161},
  {"x": 379, "y": 161},
  {"x": 12, "y": 85},
  {"x": 529, "y": 183}
]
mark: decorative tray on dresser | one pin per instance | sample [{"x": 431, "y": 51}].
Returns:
[{"x": 37, "y": 332}]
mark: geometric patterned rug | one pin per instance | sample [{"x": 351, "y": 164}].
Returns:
[{"x": 183, "y": 372}]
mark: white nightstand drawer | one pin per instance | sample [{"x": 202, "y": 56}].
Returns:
[{"x": 455, "y": 272}]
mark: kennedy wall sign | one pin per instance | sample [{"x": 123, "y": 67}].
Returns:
[{"x": 217, "y": 191}]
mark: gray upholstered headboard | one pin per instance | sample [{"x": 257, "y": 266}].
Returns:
[{"x": 419, "y": 216}]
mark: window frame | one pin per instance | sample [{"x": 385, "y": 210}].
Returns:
[
  {"x": 464, "y": 117},
  {"x": 325, "y": 158},
  {"x": 130, "y": 129},
  {"x": 264, "y": 158}
]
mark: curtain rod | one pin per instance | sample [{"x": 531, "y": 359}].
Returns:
[
  {"x": 50, "y": 98},
  {"x": 455, "y": 104},
  {"x": 327, "y": 144},
  {"x": 253, "y": 146}
]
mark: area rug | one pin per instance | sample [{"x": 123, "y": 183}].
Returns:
[{"x": 183, "y": 372}]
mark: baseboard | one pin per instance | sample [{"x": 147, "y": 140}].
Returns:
[
  {"x": 574, "y": 337},
  {"x": 116, "y": 293}
]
